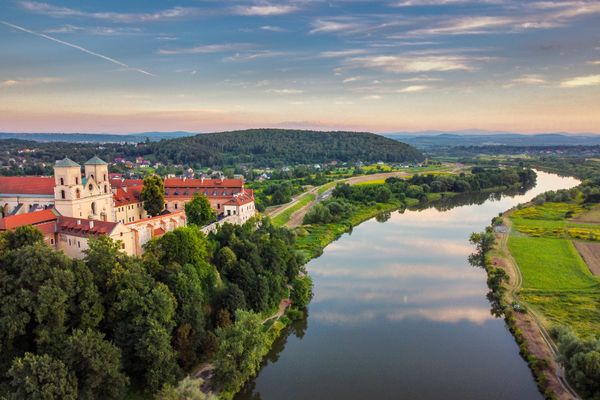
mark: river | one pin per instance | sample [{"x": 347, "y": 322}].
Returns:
[{"x": 398, "y": 313}]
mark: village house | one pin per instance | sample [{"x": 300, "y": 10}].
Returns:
[{"x": 71, "y": 207}]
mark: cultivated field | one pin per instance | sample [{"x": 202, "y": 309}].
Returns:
[
  {"x": 590, "y": 252},
  {"x": 556, "y": 281}
]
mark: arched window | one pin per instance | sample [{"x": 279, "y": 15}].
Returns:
[
  {"x": 93, "y": 207},
  {"x": 78, "y": 194},
  {"x": 62, "y": 194},
  {"x": 62, "y": 181}
]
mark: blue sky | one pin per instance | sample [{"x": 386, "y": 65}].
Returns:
[{"x": 123, "y": 66}]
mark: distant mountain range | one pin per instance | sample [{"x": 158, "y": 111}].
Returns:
[
  {"x": 97, "y": 137},
  {"x": 435, "y": 139}
]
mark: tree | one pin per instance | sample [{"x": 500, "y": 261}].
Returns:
[
  {"x": 41, "y": 377},
  {"x": 97, "y": 365},
  {"x": 199, "y": 212},
  {"x": 301, "y": 291},
  {"x": 241, "y": 347},
  {"x": 187, "y": 389},
  {"x": 23, "y": 236},
  {"x": 153, "y": 195}
]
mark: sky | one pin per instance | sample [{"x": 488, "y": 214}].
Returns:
[{"x": 381, "y": 66}]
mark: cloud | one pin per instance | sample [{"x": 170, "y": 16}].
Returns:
[
  {"x": 341, "y": 53},
  {"x": 419, "y": 3},
  {"x": 465, "y": 26},
  {"x": 284, "y": 91},
  {"x": 98, "y": 30},
  {"x": 265, "y": 10},
  {"x": 580, "y": 81},
  {"x": 335, "y": 26},
  {"x": 62, "y": 12},
  {"x": 372, "y": 97},
  {"x": 594, "y": 62},
  {"x": 253, "y": 55},
  {"x": 80, "y": 48},
  {"x": 527, "y": 80},
  {"x": 270, "y": 28},
  {"x": 408, "y": 64},
  {"x": 413, "y": 89},
  {"x": 205, "y": 49},
  {"x": 9, "y": 83},
  {"x": 351, "y": 79},
  {"x": 30, "y": 81}
]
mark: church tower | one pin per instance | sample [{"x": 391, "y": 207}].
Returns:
[
  {"x": 87, "y": 197},
  {"x": 67, "y": 179}
]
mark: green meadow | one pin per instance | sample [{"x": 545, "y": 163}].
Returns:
[
  {"x": 283, "y": 218},
  {"x": 556, "y": 282}
]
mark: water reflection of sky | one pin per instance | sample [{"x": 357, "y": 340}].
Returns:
[
  {"x": 412, "y": 266},
  {"x": 399, "y": 313}
]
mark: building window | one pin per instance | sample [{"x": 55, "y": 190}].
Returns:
[
  {"x": 77, "y": 180},
  {"x": 51, "y": 241},
  {"x": 176, "y": 206},
  {"x": 62, "y": 181},
  {"x": 62, "y": 194},
  {"x": 90, "y": 187},
  {"x": 93, "y": 207},
  {"x": 105, "y": 189},
  {"x": 78, "y": 244},
  {"x": 78, "y": 193},
  {"x": 104, "y": 176}
]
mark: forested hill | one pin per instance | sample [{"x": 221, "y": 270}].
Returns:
[{"x": 268, "y": 147}]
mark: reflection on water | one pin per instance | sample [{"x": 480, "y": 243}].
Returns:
[{"x": 399, "y": 313}]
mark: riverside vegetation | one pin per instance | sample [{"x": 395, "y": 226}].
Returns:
[
  {"x": 351, "y": 205},
  {"x": 557, "y": 286}
]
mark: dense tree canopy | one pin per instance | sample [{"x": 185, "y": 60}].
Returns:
[{"x": 93, "y": 328}]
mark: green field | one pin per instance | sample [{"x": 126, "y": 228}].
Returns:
[
  {"x": 285, "y": 216},
  {"x": 550, "y": 264},
  {"x": 557, "y": 284}
]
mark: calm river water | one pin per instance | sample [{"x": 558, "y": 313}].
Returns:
[{"x": 399, "y": 313}]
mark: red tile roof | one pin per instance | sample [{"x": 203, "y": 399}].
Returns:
[
  {"x": 120, "y": 183},
  {"x": 84, "y": 227},
  {"x": 131, "y": 196},
  {"x": 245, "y": 198},
  {"x": 203, "y": 183},
  {"x": 32, "y": 218},
  {"x": 40, "y": 185}
]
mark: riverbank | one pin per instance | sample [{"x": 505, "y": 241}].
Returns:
[
  {"x": 549, "y": 284},
  {"x": 535, "y": 344}
]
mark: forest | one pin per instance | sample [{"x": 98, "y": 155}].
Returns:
[
  {"x": 256, "y": 147},
  {"x": 111, "y": 325}
]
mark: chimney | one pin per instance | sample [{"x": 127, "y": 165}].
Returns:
[{"x": 91, "y": 224}]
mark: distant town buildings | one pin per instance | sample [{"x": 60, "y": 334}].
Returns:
[{"x": 71, "y": 207}]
